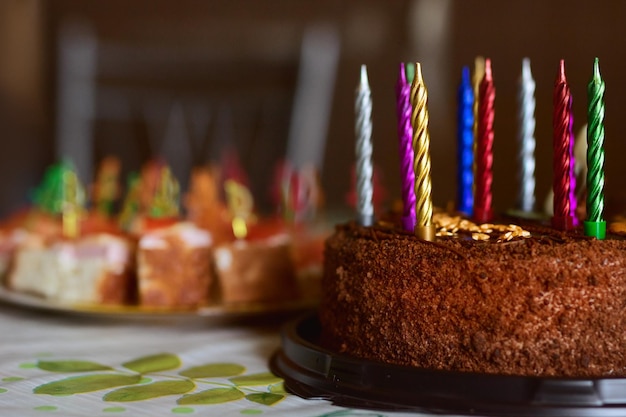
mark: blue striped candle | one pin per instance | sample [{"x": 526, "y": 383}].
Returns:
[{"x": 465, "y": 145}]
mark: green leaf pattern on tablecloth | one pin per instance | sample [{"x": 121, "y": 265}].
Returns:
[
  {"x": 209, "y": 383},
  {"x": 264, "y": 378},
  {"x": 265, "y": 398},
  {"x": 86, "y": 383},
  {"x": 212, "y": 396},
  {"x": 71, "y": 366},
  {"x": 214, "y": 370},
  {"x": 278, "y": 388},
  {"x": 114, "y": 409},
  {"x": 154, "y": 363},
  {"x": 153, "y": 390}
]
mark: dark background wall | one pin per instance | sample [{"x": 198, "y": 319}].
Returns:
[{"x": 231, "y": 39}]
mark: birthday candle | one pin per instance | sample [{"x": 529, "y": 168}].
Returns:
[
  {"x": 410, "y": 74},
  {"x": 424, "y": 228},
  {"x": 526, "y": 138},
  {"x": 562, "y": 218},
  {"x": 573, "y": 201},
  {"x": 595, "y": 224},
  {"x": 465, "y": 145},
  {"x": 477, "y": 77},
  {"x": 483, "y": 211},
  {"x": 405, "y": 136},
  {"x": 364, "y": 168}
]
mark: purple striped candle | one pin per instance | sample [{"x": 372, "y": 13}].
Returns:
[{"x": 405, "y": 140}]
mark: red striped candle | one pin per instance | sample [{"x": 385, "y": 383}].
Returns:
[
  {"x": 561, "y": 141},
  {"x": 483, "y": 199}
]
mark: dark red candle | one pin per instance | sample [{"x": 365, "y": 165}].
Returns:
[
  {"x": 483, "y": 199},
  {"x": 561, "y": 182}
]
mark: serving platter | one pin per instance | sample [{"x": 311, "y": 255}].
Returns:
[
  {"x": 215, "y": 311},
  {"x": 314, "y": 371}
]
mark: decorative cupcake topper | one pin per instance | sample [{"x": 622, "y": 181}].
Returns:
[
  {"x": 131, "y": 204},
  {"x": 238, "y": 197},
  {"x": 165, "y": 203},
  {"x": 151, "y": 176},
  {"x": 240, "y": 204},
  {"x": 48, "y": 196},
  {"x": 203, "y": 203},
  {"x": 281, "y": 189},
  {"x": 61, "y": 193},
  {"x": 297, "y": 193},
  {"x": 73, "y": 203},
  {"x": 106, "y": 188},
  {"x": 308, "y": 194}
]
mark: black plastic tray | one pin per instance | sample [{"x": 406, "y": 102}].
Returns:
[{"x": 312, "y": 371}]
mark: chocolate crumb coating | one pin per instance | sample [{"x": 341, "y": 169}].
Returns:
[{"x": 553, "y": 304}]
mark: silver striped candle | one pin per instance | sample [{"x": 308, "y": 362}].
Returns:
[
  {"x": 364, "y": 168},
  {"x": 526, "y": 140}
]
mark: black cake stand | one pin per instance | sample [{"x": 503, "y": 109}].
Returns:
[{"x": 311, "y": 371}]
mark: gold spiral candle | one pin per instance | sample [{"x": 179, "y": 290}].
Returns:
[
  {"x": 477, "y": 77},
  {"x": 424, "y": 227}
]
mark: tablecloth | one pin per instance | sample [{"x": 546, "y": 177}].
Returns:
[{"x": 74, "y": 365}]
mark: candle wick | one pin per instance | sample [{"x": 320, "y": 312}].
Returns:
[
  {"x": 418, "y": 73},
  {"x": 526, "y": 72},
  {"x": 465, "y": 75},
  {"x": 596, "y": 70},
  {"x": 364, "y": 80},
  {"x": 488, "y": 75},
  {"x": 402, "y": 73},
  {"x": 561, "y": 77}
]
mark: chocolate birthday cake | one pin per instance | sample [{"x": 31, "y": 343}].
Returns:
[{"x": 497, "y": 299}]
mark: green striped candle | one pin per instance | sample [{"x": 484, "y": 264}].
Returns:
[{"x": 594, "y": 224}]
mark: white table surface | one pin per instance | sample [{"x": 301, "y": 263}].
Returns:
[{"x": 64, "y": 350}]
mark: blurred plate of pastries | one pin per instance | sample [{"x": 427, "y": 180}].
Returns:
[{"x": 88, "y": 251}]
